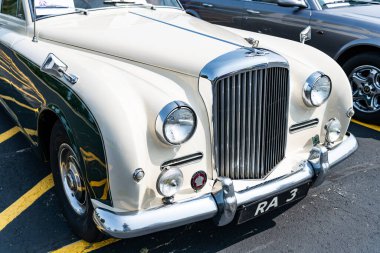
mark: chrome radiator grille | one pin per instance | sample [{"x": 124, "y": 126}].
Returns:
[{"x": 250, "y": 122}]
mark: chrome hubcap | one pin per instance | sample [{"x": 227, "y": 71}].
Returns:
[
  {"x": 365, "y": 83},
  {"x": 72, "y": 183}
]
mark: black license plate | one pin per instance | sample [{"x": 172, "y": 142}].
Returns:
[{"x": 255, "y": 209}]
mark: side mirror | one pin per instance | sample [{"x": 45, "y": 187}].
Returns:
[
  {"x": 305, "y": 35},
  {"x": 292, "y": 3},
  {"x": 55, "y": 67}
]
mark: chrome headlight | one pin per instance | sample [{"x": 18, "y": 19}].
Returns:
[
  {"x": 169, "y": 182},
  {"x": 317, "y": 89},
  {"x": 333, "y": 130},
  {"x": 176, "y": 123}
]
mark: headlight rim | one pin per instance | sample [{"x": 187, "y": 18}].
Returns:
[
  {"x": 165, "y": 112},
  {"x": 308, "y": 87}
]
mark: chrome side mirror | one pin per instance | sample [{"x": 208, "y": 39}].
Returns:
[
  {"x": 55, "y": 67},
  {"x": 292, "y": 3},
  {"x": 305, "y": 35}
]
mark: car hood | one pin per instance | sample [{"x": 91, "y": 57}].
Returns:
[
  {"x": 165, "y": 38},
  {"x": 360, "y": 13}
]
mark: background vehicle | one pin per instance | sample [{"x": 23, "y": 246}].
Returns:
[
  {"x": 348, "y": 31},
  {"x": 142, "y": 135}
]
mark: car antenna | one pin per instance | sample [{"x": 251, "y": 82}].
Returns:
[{"x": 34, "y": 22}]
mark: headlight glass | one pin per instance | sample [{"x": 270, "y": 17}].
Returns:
[
  {"x": 169, "y": 182},
  {"x": 176, "y": 123},
  {"x": 317, "y": 89},
  {"x": 179, "y": 125},
  {"x": 333, "y": 130}
]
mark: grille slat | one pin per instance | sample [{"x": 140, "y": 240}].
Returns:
[
  {"x": 228, "y": 132},
  {"x": 250, "y": 122},
  {"x": 233, "y": 124},
  {"x": 222, "y": 133}
]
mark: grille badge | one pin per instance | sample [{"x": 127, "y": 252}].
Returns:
[{"x": 198, "y": 180}]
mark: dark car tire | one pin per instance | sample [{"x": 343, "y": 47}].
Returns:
[
  {"x": 80, "y": 219},
  {"x": 361, "y": 65}
]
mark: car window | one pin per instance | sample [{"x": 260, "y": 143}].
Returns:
[{"x": 13, "y": 8}]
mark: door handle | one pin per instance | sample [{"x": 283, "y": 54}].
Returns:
[
  {"x": 208, "y": 5},
  {"x": 253, "y": 12}
]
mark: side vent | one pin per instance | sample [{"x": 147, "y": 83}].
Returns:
[{"x": 303, "y": 125}]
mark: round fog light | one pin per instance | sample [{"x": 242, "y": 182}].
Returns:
[
  {"x": 333, "y": 130},
  {"x": 169, "y": 182}
]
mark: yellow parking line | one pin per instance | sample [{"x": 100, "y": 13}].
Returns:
[
  {"x": 83, "y": 246},
  {"x": 13, "y": 131},
  {"x": 373, "y": 127},
  {"x": 9, "y": 134},
  {"x": 14, "y": 210}
]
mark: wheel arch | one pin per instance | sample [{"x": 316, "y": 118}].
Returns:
[
  {"x": 46, "y": 120},
  {"x": 351, "y": 50}
]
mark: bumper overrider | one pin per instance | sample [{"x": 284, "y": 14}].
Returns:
[{"x": 223, "y": 202}]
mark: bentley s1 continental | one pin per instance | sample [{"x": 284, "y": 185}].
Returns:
[{"x": 152, "y": 119}]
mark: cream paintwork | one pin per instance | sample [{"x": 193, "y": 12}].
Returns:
[{"x": 140, "y": 66}]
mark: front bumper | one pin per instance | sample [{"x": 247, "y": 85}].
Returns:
[{"x": 222, "y": 203}]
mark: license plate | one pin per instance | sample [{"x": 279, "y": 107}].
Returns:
[{"x": 255, "y": 209}]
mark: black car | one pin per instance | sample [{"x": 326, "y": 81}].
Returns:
[{"x": 348, "y": 31}]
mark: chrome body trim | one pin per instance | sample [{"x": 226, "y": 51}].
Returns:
[
  {"x": 343, "y": 150},
  {"x": 272, "y": 187},
  {"x": 241, "y": 60},
  {"x": 303, "y": 125},
  {"x": 152, "y": 220},
  {"x": 221, "y": 204},
  {"x": 319, "y": 160},
  {"x": 224, "y": 195}
]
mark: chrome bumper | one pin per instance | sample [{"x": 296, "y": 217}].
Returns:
[{"x": 222, "y": 203}]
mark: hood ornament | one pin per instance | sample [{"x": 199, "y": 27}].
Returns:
[
  {"x": 256, "y": 52},
  {"x": 252, "y": 41}
]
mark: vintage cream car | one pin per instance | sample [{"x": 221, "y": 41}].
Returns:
[{"x": 153, "y": 119}]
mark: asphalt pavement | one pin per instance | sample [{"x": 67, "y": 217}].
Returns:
[{"x": 342, "y": 215}]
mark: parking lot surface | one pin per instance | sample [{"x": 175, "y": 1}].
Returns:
[{"x": 342, "y": 215}]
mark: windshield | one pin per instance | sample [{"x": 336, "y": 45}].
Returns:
[
  {"x": 58, "y": 7},
  {"x": 345, "y": 3}
]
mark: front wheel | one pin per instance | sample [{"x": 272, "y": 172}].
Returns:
[
  {"x": 70, "y": 187},
  {"x": 363, "y": 71}
]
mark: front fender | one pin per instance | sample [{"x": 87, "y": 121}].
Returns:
[
  {"x": 125, "y": 99},
  {"x": 79, "y": 123}
]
